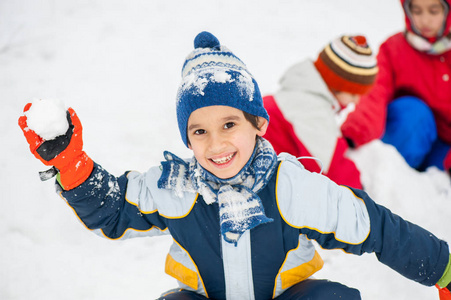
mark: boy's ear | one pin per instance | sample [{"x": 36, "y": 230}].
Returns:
[{"x": 263, "y": 124}]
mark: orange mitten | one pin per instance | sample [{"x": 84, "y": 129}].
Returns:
[{"x": 64, "y": 152}]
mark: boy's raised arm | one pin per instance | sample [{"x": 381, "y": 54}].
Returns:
[{"x": 96, "y": 196}]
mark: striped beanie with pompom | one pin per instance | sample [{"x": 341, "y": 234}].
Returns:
[
  {"x": 347, "y": 64},
  {"x": 213, "y": 75}
]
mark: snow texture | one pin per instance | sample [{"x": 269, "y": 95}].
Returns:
[
  {"x": 48, "y": 118},
  {"x": 195, "y": 82},
  {"x": 118, "y": 64}
]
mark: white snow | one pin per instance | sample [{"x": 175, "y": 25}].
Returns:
[
  {"x": 221, "y": 77},
  {"x": 118, "y": 64},
  {"x": 47, "y": 117}
]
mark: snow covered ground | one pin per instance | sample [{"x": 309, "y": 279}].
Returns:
[{"x": 118, "y": 63}]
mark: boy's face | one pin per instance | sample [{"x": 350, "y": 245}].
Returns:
[
  {"x": 427, "y": 16},
  {"x": 222, "y": 139},
  {"x": 345, "y": 98}
]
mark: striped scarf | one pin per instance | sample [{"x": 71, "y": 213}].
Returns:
[
  {"x": 421, "y": 44},
  {"x": 240, "y": 208}
]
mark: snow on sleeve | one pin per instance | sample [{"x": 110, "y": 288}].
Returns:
[{"x": 47, "y": 117}]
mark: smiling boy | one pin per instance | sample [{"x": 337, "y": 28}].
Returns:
[
  {"x": 241, "y": 218},
  {"x": 222, "y": 139}
]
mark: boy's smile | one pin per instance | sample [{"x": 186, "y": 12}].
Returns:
[
  {"x": 222, "y": 139},
  {"x": 223, "y": 161}
]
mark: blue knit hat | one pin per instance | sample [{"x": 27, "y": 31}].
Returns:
[{"x": 213, "y": 75}]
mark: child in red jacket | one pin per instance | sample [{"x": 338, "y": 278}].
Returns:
[
  {"x": 410, "y": 103},
  {"x": 314, "y": 98}
]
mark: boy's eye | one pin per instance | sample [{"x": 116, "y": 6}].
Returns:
[
  {"x": 199, "y": 131},
  {"x": 229, "y": 125}
]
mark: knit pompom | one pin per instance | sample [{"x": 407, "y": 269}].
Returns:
[
  {"x": 359, "y": 40},
  {"x": 206, "y": 40}
]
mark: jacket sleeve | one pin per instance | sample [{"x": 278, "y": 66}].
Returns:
[
  {"x": 102, "y": 206},
  {"x": 367, "y": 121},
  {"x": 338, "y": 217},
  {"x": 405, "y": 247}
]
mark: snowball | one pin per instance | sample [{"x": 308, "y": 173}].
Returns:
[{"x": 47, "y": 117}]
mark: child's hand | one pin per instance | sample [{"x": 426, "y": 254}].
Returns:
[{"x": 65, "y": 152}]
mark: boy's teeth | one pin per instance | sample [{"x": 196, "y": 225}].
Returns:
[{"x": 223, "y": 159}]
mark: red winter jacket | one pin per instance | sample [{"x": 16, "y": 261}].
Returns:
[
  {"x": 404, "y": 70},
  {"x": 283, "y": 138},
  {"x": 303, "y": 123}
]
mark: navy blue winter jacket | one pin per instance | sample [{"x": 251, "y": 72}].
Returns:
[{"x": 271, "y": 257}]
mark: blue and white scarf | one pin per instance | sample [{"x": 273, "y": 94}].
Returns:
[{"x": 240, "y": 208}]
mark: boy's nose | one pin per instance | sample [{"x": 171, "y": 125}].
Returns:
[{"x": 216, "y": 144}]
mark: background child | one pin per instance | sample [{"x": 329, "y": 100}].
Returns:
[
  {"x": 307, "y": 110},
  {"x": 241, "y": 217},
  {"x": 410, "y": 104}
]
